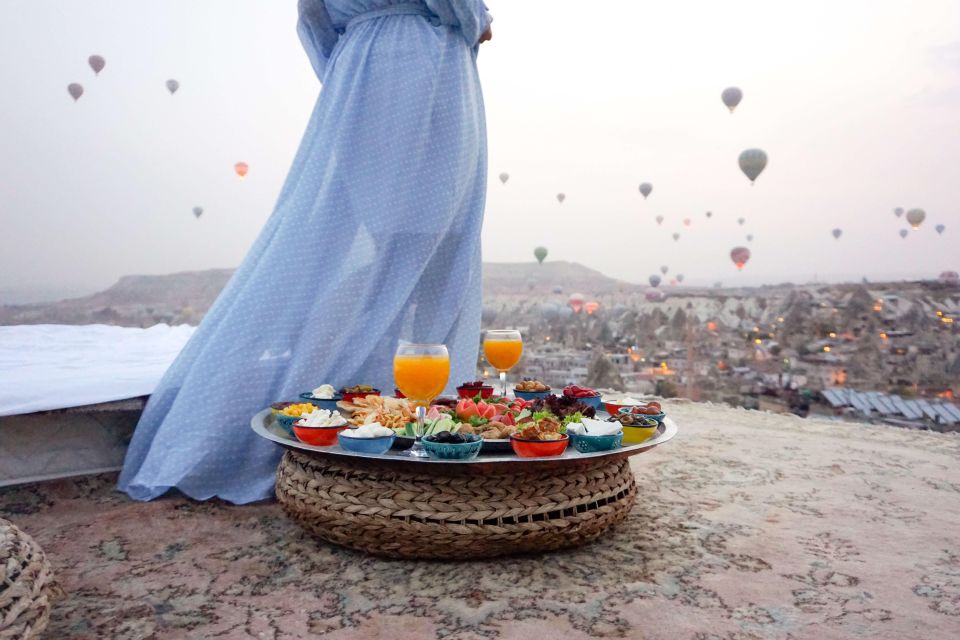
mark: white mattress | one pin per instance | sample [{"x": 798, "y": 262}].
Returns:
[{"x": 50, "y": 366}]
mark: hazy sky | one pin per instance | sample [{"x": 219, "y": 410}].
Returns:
[{"x": 856, "y": 102}]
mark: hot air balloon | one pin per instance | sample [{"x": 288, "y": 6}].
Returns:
[
  {"x": 898, "y": 211},
  {"x": 549, "y": 310},
  {"x": 749, "y": 237},
  {"x": 97, "y": 63},
  {"x": 197, "y": 212},
  {"x": 949, "y": 277},
  {"x": 740, "y": 256},
  {"x": 837, "y": 233},
  {"x": 731, "y": 97},
  {"x": 903, "y": 233},
  {"x": 711, "y": 326},
  {"x": 504, "y": 177},
  {"x": 540, "y": 253},
  {"x": 686, "y": 222},
  {"x": 676, "y": 236},
  {"x": 591, "y": 306},
  {"x": 561, "y": 197},
  {"x": 940, "y": 228},
  {"x": 645, "y": 189},
  {"x": 740, "y": 221},
  {"x": 654, "y": 295},
  {"x": 752, "y": 163},
  {"x": 654, "y": 281},
  {"x": 915, "y": 217},
  {"x": 664, "y": 269},
  {"x": 558, "y": 289},
  {"x": 575, "y": 301},
  {"x": 709, "y": 214},
  {"x": 241, "y": 168},
  {"x": 679, "y": 277},
  {"x": 75, "y": 90},
  {"x": 172, "y": 86},
  {"x": 659, "y": 219}
]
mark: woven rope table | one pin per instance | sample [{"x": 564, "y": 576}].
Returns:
[
  {"x": 26, "y": 585},
  {"x": 397, "y": 506}
]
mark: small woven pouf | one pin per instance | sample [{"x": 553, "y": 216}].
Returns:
[
  {"x": 26, "y": 585},
  {"x": 394, "y": 511}
]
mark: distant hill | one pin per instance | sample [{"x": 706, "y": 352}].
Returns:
[{"x": 142, "y": 301}]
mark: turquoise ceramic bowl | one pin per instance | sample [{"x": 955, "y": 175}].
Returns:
[
  {"x": 286, "y": 423},
  {"x": 453, "y": 451},
  {"x": 531, "y": 395},
  {"x": 589, "y": 444},
  {"x": 329, "y": 405},
  {"x": 658, "y": 416},
  {"x": 381, "y": 444}
]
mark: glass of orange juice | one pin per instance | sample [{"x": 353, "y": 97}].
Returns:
[
  {"x": 421, "y": 372},
  {"x": 503, "y": 348}
]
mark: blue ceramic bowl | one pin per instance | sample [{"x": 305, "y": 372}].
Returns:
[
  {"x": 531, "y": 395},
  {"x": 329, "y": 405},
  {"x": 381, "y": 444},
  {"x": 658, "y": 417},
  {"x": 593, "y": 401},
  {"x": 453, "y": 451},
  {"x": 586, "y": 443},
  {"x": 286, "y": 423}
]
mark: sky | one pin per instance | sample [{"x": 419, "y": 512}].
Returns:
[{"x": 857, "y": 104}]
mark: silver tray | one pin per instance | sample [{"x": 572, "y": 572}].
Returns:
[{"x": 264, "y": 425}]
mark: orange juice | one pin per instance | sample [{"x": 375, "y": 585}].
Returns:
[
  {"x": 503, "y": 354},
  {"x": 421, "y": 377}
]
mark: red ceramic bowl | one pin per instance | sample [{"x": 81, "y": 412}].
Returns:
[
  {"x": 318, "y": 436},
  {"x": 538, "y": 448},
  {"x": 471, "y": 392},
  {"x": 613, "y": 408},
  {"x": 348, "y": 397}
]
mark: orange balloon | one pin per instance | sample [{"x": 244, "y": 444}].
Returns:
[
  {"x": 590, "y": 307},
  {"x": 241, "y": 168}
]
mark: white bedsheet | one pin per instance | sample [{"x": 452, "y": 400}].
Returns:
[{"x": 49, "y": 366}]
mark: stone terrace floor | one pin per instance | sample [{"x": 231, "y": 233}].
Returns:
[{"x": 748, "y": 525}]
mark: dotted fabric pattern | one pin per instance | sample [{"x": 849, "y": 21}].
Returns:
[{"x": 375, "y": 238}]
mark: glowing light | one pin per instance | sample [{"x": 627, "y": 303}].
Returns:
[
  {"x": 779, "y": 318},
  {"x": 663, "y": 365},
  {"x": 826, "y": 349},
  {"x": 883, "y": 335},
  {"x": 939, "y": 314},
  {"x": 947, "y": 320},
  {"x": 758, "y": 341},
  {"x": 833, "y": 334}
]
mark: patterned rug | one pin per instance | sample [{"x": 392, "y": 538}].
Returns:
[{"x": 749, "y": 525}]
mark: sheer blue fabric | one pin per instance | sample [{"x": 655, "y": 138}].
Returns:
[{"x": 375, "y": 238}]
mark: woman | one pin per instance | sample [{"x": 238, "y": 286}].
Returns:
[{"x": 375, "y": 238}]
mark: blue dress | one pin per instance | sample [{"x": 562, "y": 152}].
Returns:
[{"x": 375, "y": 239}]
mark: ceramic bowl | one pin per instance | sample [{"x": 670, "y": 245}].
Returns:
[
  {"x": 349, "y": 397},
  {"x": 471, "y": 392},
  {"x": 613, "y": 408},
  {"x": 531, "y": 395},
  {"x": 453, "y": 451},
  {"x": 317, "y": 436},
  {"x": 286, "y": 423},
  {"x": 639, "y": 434},
  {"x": 377, "y": 445},
  {"x": 593, "y": 401},
  {"x": 656, "y": 416},
  {"x": 328, "y": 404},
  {"x": 538, "y": 448},
  {"x": 586, "y": 443}
]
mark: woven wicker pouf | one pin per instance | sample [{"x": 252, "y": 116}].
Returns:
[
  {"x": 26, "y": 585},
  {"x": 396, "y": 512}
]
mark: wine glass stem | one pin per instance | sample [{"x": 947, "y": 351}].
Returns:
[
  {"x": 421, "y": 417},
  {"x": 503, "y": 382}
]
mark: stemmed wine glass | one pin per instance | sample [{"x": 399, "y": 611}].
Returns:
[
  {"x": 421, "y": 372},
  {"x": 503, "y": 348}
]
